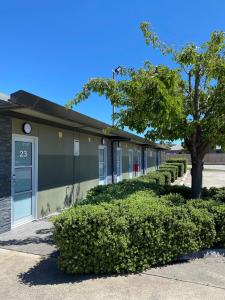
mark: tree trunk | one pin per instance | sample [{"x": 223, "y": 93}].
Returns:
[{"x": 196, "y": 173}]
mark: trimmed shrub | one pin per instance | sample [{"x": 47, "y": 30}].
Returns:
[
  {"x": 129, "y": 235},
  {"x": 166, "y": 174},
  {"x": 121, "y": 190},
  {"x": 218, "y": 211},
  {"x": 180, "y": 167},
  {"x": 157, "y": 176},
  {"x": 178, "y": 160},
  {"x": 214, "y": 193},
  {"x": 182, "y": 190},
  {"x": 173, "y": 199},
  {"x": 171, "y": 170},
  {"x": 172, "y": 166}
]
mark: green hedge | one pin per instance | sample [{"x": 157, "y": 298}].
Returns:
[
  {"x": 172, "y": 171},
  {"x": 157, "y": 176},
  {"x": 180, "y": 167},
  {"x": 214, "y": 193},
  {"x": 217, "y": 209},
  {"x": 170, "y": 165},
  {"x": 121, "y": 190},
  {"x": 178, "y": 160},
  {"x": 129, "y": 235},
  {"x": 167, "y": 176}
]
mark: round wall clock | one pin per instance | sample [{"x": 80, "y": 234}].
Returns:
[{"x": 27, "y": 128}]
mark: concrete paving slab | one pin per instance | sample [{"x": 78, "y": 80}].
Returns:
[
  {"x": 27, "y": 276},
  {"x": 34, "y": 237},
  {"x": 213, "y": 176}
]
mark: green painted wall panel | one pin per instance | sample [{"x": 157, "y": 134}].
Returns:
[{"x": 64, "y": 178}]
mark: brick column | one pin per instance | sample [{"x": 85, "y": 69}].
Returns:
[{"x": 5, "y": 172}]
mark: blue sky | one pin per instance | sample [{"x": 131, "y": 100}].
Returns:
[{"x": 51, "y": 48}]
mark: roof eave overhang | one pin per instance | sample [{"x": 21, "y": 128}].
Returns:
[{"x": 21, "y": 100}]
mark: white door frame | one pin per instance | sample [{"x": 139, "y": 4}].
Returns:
[
  {"x": 131, "y": 152},
  {"x": 103, "y": 147},
  {"x": 120, "y": 177},
  {"x": 34, "y": 141}
]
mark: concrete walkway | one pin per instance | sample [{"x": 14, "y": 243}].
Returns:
[
  {"x": 27, "y": 276},
  {"x": 213, "y": 175},
  {"x": 34, "y": 237}
]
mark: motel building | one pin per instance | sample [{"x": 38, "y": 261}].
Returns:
[{"x": 50, "y": 157}]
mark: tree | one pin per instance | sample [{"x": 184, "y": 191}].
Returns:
[{"x": 185, "y": 102}]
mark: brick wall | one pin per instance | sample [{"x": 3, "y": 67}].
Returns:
[{"x": 5, "y": 172}]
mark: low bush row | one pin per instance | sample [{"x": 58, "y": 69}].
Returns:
[
  {"x": 138, "y": 223},
  {"x": 180, "y": 167},
  {"x": 167, "y": 176},
  {"x": 156, "y": 181},
  {"x": 171, "y": 169},
  {"x": 132, "y": 234},
  {"x": 178, "y": 160}
]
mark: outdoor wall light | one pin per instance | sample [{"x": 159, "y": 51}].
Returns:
[{"x": 27, "y": 128}]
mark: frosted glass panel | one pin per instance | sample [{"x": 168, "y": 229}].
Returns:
[
  {"x": 23, "y": 179},
  {"x": 22, "y": 206},
  {"x": 102, "y": 164},
  {"x": 23, "y": 153},
  {"x": 118, "y": 162}
]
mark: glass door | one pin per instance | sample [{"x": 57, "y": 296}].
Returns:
[
  {"x": 23, "y": 179},
  {"x": 102, "y": 158},
  {"x": 119, "y": 164},
  {"x": 131, "y": 162}
]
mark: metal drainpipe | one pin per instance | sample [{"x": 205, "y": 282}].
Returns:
[{"x": 112, "y": 160}]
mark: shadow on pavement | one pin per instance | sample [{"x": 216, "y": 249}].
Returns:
[
  {"x": 32, "y": 240},
  {"x": 46, "y": 272}
]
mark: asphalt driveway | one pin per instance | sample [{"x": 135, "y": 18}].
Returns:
[{"x": 27, "y": 276}]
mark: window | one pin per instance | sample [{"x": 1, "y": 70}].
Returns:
[
  {"x": 131, "y": 162},
  {"x": 102, "y": 156},
  {"x": 139, "y": 162},
  {"x": 119, "y": 164}
]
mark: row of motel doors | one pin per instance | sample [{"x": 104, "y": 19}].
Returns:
[
  {"x": 118, "y": 177},
  {"x": 25, "y": 175}
]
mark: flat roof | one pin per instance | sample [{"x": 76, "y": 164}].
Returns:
[{"x": 27, "y": 104}]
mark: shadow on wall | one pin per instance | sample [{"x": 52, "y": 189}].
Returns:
[{"x": 73, "y": 196}]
